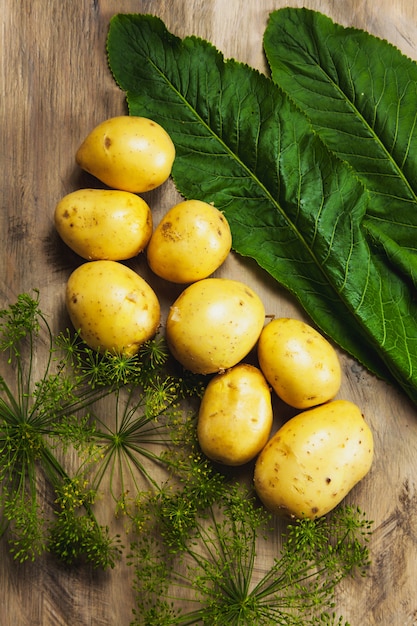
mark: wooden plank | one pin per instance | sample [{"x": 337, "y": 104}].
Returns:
[{"x": 55, "y": 87}]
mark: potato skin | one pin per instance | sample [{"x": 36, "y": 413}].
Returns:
[
  {"x": 104, "y": 224},
  {"x": 299, "y": 363},
  {"x": 214, "y": 324},
  {"x": 129, "y": 153},
  {"x": 112, "y": 306},
  {"x": 235, "y": 416},
  {"x": 191, "y": 241},
  {"x": 314, "y": 460}
]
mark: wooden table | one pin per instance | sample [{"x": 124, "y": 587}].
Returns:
[{"x": 55, "y": 87}]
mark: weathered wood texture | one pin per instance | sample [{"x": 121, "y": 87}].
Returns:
[{"x": 55, "y": 86}]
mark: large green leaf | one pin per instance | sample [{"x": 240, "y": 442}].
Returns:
[
  {"x": 360, "y": 93},
  {"x": 291, "y": 204}
]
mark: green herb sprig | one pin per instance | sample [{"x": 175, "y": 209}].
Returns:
[
  {"x": 36, "y": 418},
  {"x": 41, "y": 420},
  {"x": 195, "y": 558}
]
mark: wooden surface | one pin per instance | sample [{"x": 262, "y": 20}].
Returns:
[{"x": 55, "y": 86}]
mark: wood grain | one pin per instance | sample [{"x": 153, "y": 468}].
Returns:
[{"x": 55, "y": 87}]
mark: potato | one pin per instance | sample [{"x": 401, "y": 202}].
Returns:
[
  {"x": 299, "y": 363},
  {"x": 314, "y": 460},
  {"x": 104, "y": 223},
  {"x": 129, "y": 153},
  {"x": 112, "y": 306},
  {"x": 214, "y": 324},
  {"x": 235, "y": 416},
  {"x": 190, "y": 242}
]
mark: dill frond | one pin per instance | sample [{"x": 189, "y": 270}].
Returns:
[{"x": 211, "y": 547}]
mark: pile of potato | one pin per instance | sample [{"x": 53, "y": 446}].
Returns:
[{"x": 309, "y": 465}]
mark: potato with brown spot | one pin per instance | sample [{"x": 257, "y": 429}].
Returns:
[
  {"x": 314, "y": 460},
  {"x": 214, "y": 324},
  {"x": 112, "y": 306},
  {"x": 301, "y": 366},
  {"x": 191, "y": 242},
  {"x": 128, "y": 153},
  {"x": 104, "y": 224},
  {"x": 235, "y": 416}
]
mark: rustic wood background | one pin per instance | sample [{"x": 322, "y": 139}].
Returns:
[{"x": 55, "y": 86}]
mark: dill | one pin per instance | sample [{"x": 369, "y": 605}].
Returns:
[
  {"x": 114, "y": 420},
  {"x": 195, "y": 558},
  {"x": 41, "y": 420}
]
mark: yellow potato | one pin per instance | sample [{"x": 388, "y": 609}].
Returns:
[
  {"x": 112, "y": 306},
  {"x": 235, "y": 416},
  {"x": 314, "y": 460},
  {"x": 214, "y": 324},
  {"x": 191, "y": 241},
  {"x": 104, "y": 223},
  {"x": 299, "y": 363},
  {"x": 129, "y": 153}
]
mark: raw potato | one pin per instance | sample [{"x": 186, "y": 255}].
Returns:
[
  {"x": 235, "y": 416},
  {"x": 129, "y": 153},
  {"x": 112, "y": 306},
  {"x": 299, "y": 363},
  {"x": 314, "y": 460},
  {"x": 191, "y": 241},
  {"x": 214, "y": 324},
  {"x": 104, "y": 223}
]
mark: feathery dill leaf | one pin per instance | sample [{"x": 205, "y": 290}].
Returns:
[
  {"x": 195, "y": 558},
  {"x": 41, "y": 419}
]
